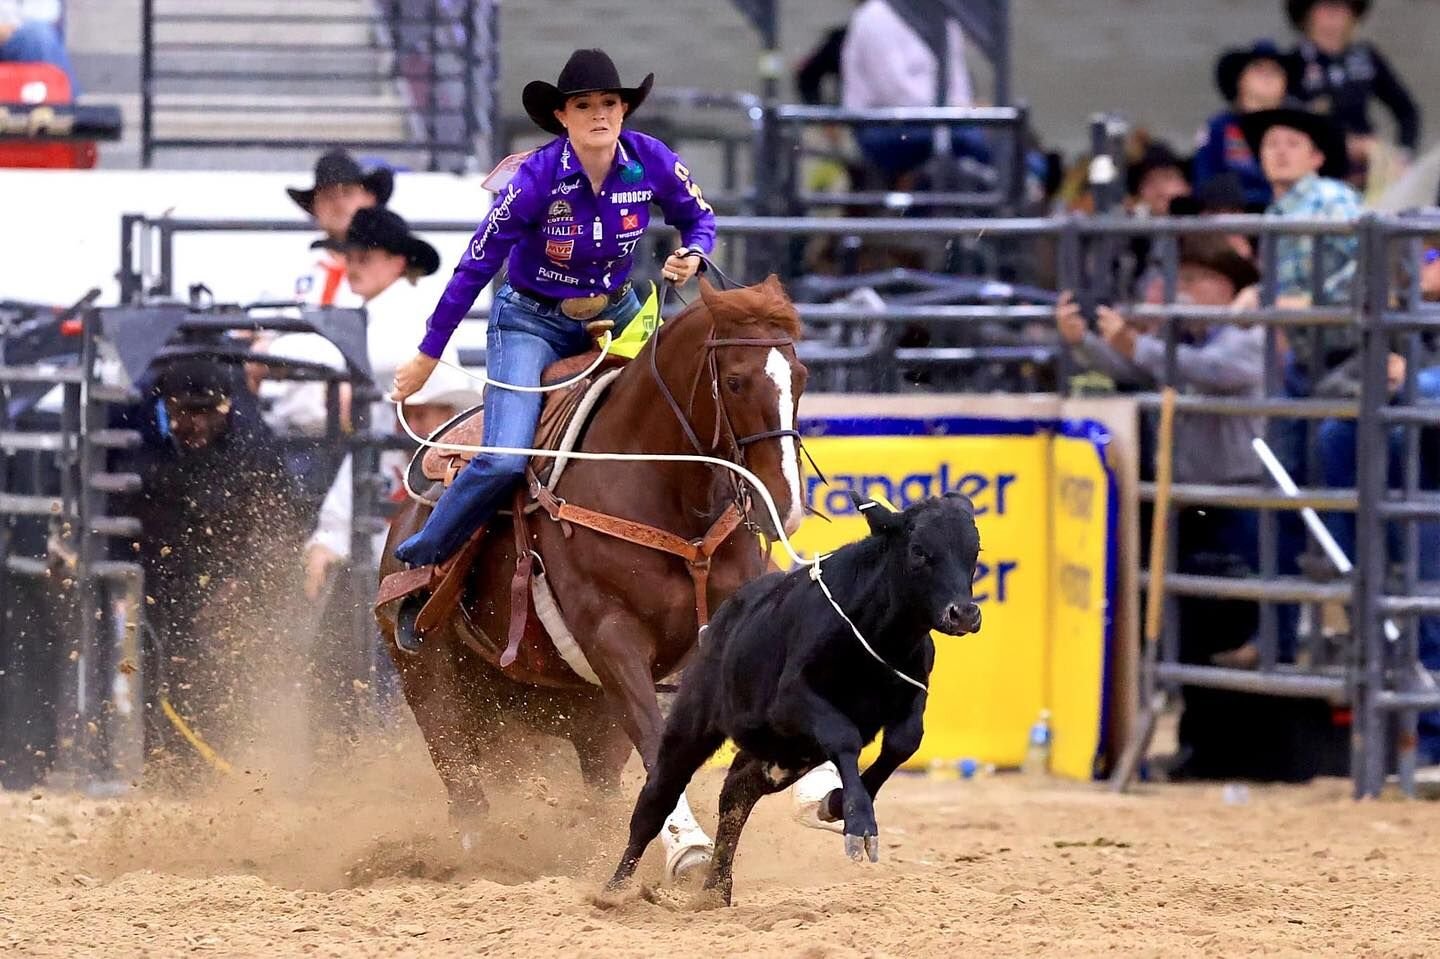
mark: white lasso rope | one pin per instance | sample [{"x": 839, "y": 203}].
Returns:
[{"x": 736, "y": 468}]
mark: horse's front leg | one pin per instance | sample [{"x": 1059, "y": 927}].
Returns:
[{"x": 623, "y": 651}]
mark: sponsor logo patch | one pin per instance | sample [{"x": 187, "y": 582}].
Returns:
[
  {"x": 499, "y": 213},
  {"x": 565, "y": 229},
  {"x": 565, "y": 189},
  {"x": 548, "y": 274},
  {"x": 560, "y": 210},
  {"x": 631, "y": 222},
  {"x": 559, "y": 250},
  {"x": 620, "y": 197}
]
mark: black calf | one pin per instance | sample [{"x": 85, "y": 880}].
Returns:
[{"x": 795, "y": 681}]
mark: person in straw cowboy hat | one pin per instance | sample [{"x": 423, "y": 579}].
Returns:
[{"x": 567, "y": 218}]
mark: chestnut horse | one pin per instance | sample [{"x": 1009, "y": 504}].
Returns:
[{"x": 720, "y": 379}]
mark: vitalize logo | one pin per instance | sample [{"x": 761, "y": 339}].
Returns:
[{"x": 498, "y": 215}]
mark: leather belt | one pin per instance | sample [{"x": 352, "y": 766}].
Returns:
[{"x": 577, "y": 307}]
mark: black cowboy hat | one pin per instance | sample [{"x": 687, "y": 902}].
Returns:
[
  {"x": 1222, "y": 193},
  {"x": 380, "y": 228},
  {"x": 1320, "y": 129},
  {"x": 336, "y": 167},
  {"x": 1299, "y": 10},
  {"x": 1233, "y": 63},
  {"x": 587, "y": 71},
  {"x": 1215, "y": 253},
  {"x": 196, "y": 382},
  {"x": 1157, "y": 156}
]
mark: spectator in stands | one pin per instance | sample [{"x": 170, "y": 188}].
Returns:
[
  {"x": 1223, "y": 360},
  {"x": 1250, "y": 80},
  {"x": 26, "y": 37},
  {"x": 1338, "y": 76},
  {"x": 885, "y": 61},
  {"x": 220, "y": 540},
  {"x": 1158, "y": 177},
  {"x": 1303, "y": 156},
  {"x": 341, "y": 188},
  {"x": 1218, "y": 196},
  {"x": 1305, "y": 162}
]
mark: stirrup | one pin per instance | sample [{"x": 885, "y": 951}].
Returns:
[{"x": 407, "y": 635}]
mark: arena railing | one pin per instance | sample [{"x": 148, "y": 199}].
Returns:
[
  {"x": 1399, "y": 595},
  {"x": 441, "y": 57},
  {"x": 1344, "y": 676}
]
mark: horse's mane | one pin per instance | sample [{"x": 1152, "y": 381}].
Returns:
[{"x": 765, "y": 302}]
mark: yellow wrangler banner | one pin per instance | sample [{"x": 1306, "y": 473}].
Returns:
[{"x": 1045, "y": 506}]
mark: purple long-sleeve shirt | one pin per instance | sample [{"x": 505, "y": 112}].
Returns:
[{"x": 561, "y": 239}]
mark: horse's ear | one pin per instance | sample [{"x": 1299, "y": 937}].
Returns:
[
  {"x": 773, "y": 284},
  {"x": 708, "y": 292},
  {"x": 880, "y": 517}
]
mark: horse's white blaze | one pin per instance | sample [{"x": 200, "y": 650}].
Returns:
[{"x": 778, "y": 369}]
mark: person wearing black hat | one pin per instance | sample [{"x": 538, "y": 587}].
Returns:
[
  {"x": 1336, "y": 75},
  {"x": 1155, "y": 179},
  {"x": 567, "y": 218},
  {"x": 1250, "y": 79},
  {"x": 382, "y": 260},
  {"x": 341, "y": 188},
  {"x": 1303, "y": 157}
]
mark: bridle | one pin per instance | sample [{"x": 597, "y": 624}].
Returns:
[{"x": 724, "y": 426}]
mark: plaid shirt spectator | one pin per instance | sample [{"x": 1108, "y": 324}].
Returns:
[{"x": 1316, "y": 198}]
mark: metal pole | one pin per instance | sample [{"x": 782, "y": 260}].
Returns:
[
  {"x": 432, "y": 30},
  {"x": 1369, "y": 745},
  {"x": 471, "y": 122},
  {"x": 1000, "y": 54},
  {"x": 147, "y": 75}
]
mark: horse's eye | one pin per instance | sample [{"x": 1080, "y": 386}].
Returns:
[
  {"x": 734, "y": 383},
  {"x": 918, "y": 556}
]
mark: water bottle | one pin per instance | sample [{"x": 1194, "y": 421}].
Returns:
[{"x": 1037, "y": 751}]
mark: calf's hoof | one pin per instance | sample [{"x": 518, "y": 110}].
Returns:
[{"x": 858, "y": 847}]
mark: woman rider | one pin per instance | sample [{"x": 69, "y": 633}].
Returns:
[{"x": 568, "y": 222}]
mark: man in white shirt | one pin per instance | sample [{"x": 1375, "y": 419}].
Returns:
[
  {"x": 341, "y": 188},
  {"x": 885, "y": 62},
  {"x": 382, "y": 261}
]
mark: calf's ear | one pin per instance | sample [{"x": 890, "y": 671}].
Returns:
[
  {"x": 878, "y": 515},
  {"x": 963, "y": 500}
]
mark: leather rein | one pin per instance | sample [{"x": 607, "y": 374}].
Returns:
[{"x": 697, "y": 553}]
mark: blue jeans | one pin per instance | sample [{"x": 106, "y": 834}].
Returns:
[
  {"x": 36, "y": 41},
  {"x": 1337, "y": 454},
  {"x": 524, "y": 337}
]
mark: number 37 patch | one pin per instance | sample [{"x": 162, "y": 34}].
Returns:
[{"x": 691, "y": 187}]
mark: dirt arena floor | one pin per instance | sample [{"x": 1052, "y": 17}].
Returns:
[{"x": 362, "y": 863}]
